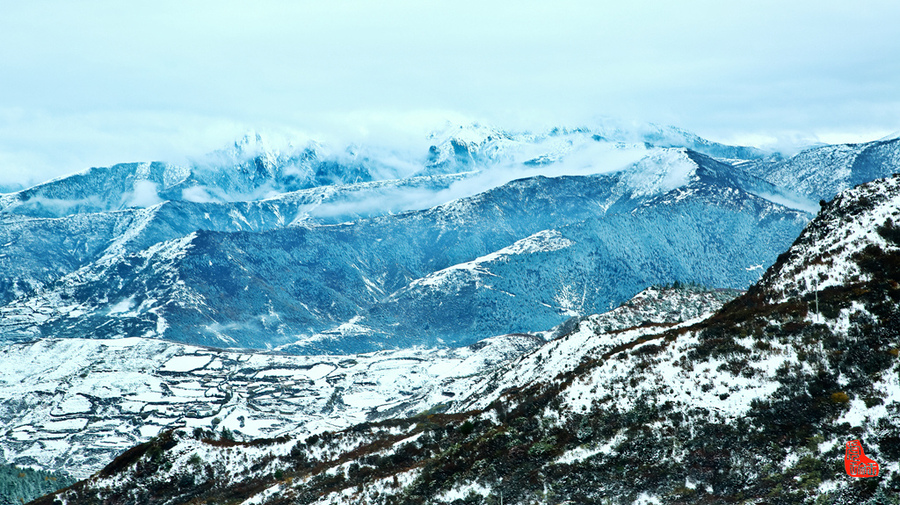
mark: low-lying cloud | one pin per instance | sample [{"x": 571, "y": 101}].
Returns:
[
  {"x": 422, "y": 193},
  {"x": 145, "y": 194}
]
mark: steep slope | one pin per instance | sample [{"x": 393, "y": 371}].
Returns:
[
  {"x": 39, "y": 251},
  {"x": 198, "y": 281},
  {"x": 753, "y": 404},
  {"x": 657, "y": 304},
  {"x": 707, "y": 234},
  {"x": 36, "y": 252}
]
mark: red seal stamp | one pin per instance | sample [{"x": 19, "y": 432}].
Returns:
[{"x": 857, "y": 463}]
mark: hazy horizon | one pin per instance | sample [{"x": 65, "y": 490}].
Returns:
[{"x": 97, "y": 83}]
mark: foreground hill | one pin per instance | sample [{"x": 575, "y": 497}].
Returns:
[{"x": 753, "y": 404}]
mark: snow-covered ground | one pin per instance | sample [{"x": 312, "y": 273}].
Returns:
[{"x": 74, "y": 404}]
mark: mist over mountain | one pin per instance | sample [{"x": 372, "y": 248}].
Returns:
[
  {"x": 257, "y": 167},
  {"x": 317, "y": 249}
]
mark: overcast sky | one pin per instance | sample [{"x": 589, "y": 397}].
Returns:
[{"x": 95, "y": 83}]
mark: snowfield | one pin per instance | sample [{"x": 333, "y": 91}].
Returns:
[{"x": 73, "y": 404}]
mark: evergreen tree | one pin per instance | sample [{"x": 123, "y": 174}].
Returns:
[{"x": 20, "y": 485}]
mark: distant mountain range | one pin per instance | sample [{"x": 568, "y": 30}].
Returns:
[{"x": 314, "y": 249}]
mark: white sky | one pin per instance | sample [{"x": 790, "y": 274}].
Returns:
[{"x": 99, "y": 82}]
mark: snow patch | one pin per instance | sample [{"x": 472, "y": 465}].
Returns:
[{"x": 186, "y": 363}]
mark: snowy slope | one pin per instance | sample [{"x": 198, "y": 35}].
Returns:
[
  {"x": 35, "y": 252},
  {"x": 708, "y": 234},
  {"x": 660, "y": 305},
  {"x": 253, "y": 280},
  {"x": 825, "y": 257}
]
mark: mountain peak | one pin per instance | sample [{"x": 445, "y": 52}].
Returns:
[{"x": 250, "y": 139}]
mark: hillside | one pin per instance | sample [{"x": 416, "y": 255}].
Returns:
[
  {"x": 753, "y": 404},
  {"x": 820, "y": 173}
]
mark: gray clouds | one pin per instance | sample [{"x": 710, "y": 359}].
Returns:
[{"x": 92, "y": 83}]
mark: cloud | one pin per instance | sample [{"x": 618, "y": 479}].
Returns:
[
  {"x": 59, "y": 206},
  {"x": 393, "y": 197},
  {"x": 198, "y": 194},
  {"x": 87, "y": 85},
  {"x": 145, "y": 194},
  {"x": 389, "y": 200},
  {"x": 791, "y": 200}
]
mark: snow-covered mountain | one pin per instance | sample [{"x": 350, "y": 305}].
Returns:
[
  {"x": 315, "y": 248},
  {"x": 587, "y": 267},
  {"x": 754, "y": 403},
  {"x": 822, "y": 172},
  {"x": 376, "y": 282},
  {"x": 463, "y": 147},
  {"x": 257, "y": 167},
  {"x": 250, "y": 170}
]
